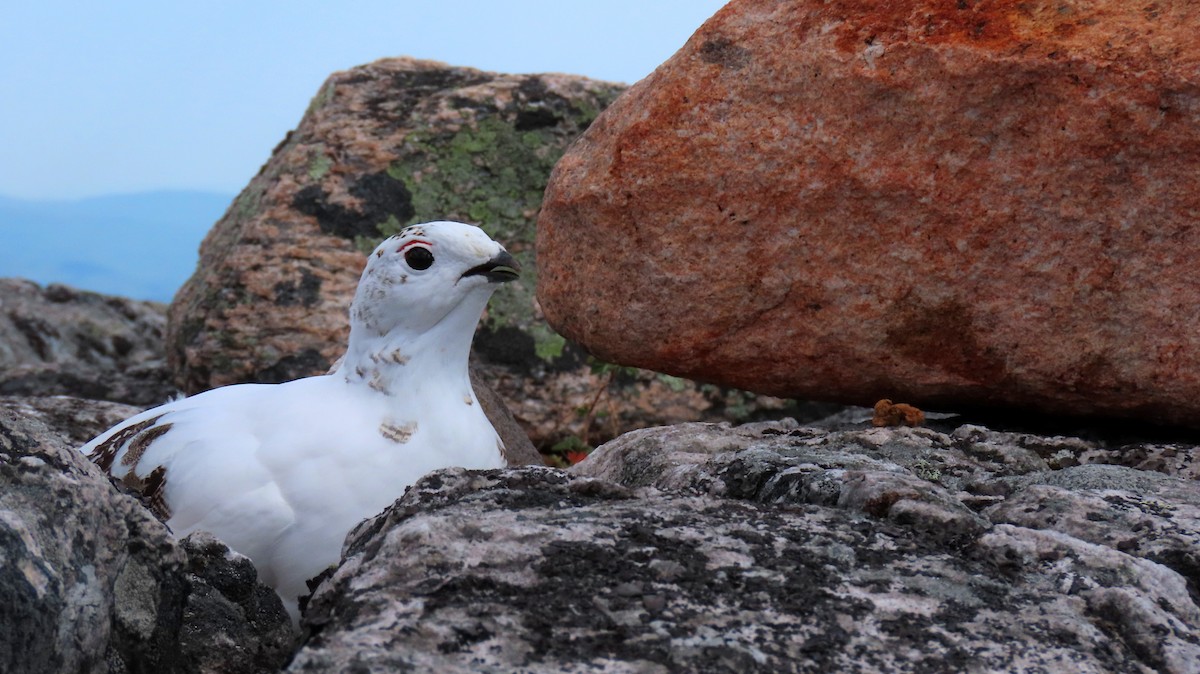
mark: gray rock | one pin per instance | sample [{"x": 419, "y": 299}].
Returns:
[
  {"x": 61, "y": 341},
  {"x": 535, "y": 570},
  {"x": 1058, "y": 451},
  {"x": 89, "y": 578},
  {"x": 700, "y": 547},
  {"x": 1170, "y": 458},
  {"x": 925, "y": 479},
  {"x": 90, "y": 581},
  {"x": 881, "y": 472},
  {"x": 1131, "y": 604},
  {"x": 233, "y": 624},
  {"x": 1142, "y": 514},
  {"x": 75, "y": 420}
]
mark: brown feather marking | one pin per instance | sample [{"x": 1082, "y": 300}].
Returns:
[
  {"x": 141, "y": 442},
  {"x": 106, "y": 452},
  {"x": 508, "y": 460},
  {"x": 377, "y": 383},
  {"x": 150, "y": 491},
  {"x": 398, "y": 434}
]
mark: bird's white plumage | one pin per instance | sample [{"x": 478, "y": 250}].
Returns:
[{"x": 282, "y": 472}]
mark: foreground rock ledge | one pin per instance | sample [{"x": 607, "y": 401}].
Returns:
[
  {"x": 91, "y": 582},
  {"x": 772, "y": 548},
  {"x": 984, "y": 203},
  {"x": 697, "y": 547}
]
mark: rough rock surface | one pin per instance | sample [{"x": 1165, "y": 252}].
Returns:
[
  {"x": 776, "y": 547},
  {"x": 74, "y": 420},
  {"x": 382, "y": 146},
  {"x": 58, "y": 340},
  {"x": 948, "y": 485},
  {"x": 233, "y": 624},
  {"x": 91, "y": 582},
  {"x": 981, "y": 203}
]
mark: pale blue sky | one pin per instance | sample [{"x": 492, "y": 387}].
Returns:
[{"x": 123, "y": 96}]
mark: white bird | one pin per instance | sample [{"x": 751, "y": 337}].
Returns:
[{"x": 282, "y": 472}]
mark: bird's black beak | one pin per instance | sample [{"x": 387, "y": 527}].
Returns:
[{"x": 499, "y": 269}]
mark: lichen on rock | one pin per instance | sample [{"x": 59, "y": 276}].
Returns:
[{"x": 770, "y": 547}]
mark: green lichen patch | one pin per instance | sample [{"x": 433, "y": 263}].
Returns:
[
  {"x": 548, "y": 344},
  {"x": 489, "y": 173},
  {"x": 249, "y": 202},
  {"x": 323, "y": 97},
  {"x": 319, "y": 163}
]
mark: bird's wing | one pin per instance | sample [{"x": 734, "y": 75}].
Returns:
[{"x": 196, "y": 463}]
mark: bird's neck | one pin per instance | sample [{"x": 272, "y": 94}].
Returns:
[{"x": 401, "y": 359}]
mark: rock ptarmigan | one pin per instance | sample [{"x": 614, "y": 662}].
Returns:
[{"x": 282, "y": 472}]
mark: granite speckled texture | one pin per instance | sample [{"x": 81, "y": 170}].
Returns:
[
  {"x": 57, "y": 340},
  {"x": 776, "y": 547},
  {"x": 382, "y": 146}
]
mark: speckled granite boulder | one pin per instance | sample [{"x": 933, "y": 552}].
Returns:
[
  {"x": 56, "y": 340},
  {"x": 89, "y": 577},
  {"x": 382, "y": 146},
  {"x": 776, "y": 547},
  {"x": 947, "y": 484},
  {"x": 74, "y": 420},
  {"x": 702, "y": 547},
  {"x": 953, "y": 204}
]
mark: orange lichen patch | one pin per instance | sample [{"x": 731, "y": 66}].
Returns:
[
  {"x": 888, "y": 413},
  {"x": 1058, "y": 26},
  {"x": 948, "y": 21}
]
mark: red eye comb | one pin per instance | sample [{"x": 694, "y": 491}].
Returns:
[{"x": 409, "y": 243}]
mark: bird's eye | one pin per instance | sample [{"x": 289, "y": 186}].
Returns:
[{"x": 419, "y": 258}]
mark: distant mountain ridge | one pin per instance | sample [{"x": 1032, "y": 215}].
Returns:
[{"x": 142, "y": 245}]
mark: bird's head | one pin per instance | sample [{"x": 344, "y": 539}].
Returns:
[{"x": 418, "y": 277}]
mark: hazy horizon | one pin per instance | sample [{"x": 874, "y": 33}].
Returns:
[{"x": 140, "y": 245}]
